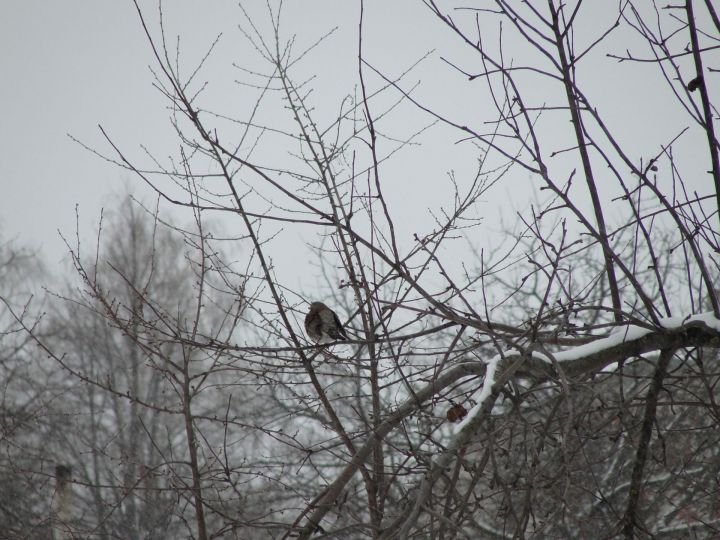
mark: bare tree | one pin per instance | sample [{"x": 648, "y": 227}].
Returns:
[
  {"x": 25, "y": 486},
  {"x": 131, "y": 425},
  {"x": 559, "y": 384}
]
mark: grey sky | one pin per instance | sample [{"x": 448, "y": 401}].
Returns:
[{"x": 68, "y": 66}]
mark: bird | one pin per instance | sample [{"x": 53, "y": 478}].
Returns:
[
  {"x": 322, "y": 324},
  {"x": 695, "y": 83}
]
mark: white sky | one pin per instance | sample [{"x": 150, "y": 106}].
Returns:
[{"x": 68, "y": 66}]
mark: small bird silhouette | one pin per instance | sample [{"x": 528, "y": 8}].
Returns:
[
  {"x": 695, "y": 83},
  {"x": 322, "y": 324}
]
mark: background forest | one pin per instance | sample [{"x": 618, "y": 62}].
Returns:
[{"x": 532, "y": 352}]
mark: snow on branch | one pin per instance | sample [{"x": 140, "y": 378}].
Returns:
[{"x": 626, "y": 342}]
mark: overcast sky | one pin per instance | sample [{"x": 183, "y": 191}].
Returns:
[{"x": 69, "y": 66}]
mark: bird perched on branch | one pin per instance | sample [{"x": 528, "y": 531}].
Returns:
[{"x": 322, "y": 324}]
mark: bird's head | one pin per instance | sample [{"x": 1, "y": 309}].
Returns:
[{"x": 317, "y": 306}]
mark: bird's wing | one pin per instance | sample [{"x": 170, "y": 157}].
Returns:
[
  {"x": 339, "y": 326},
  {"x": 313, "y": 322}
]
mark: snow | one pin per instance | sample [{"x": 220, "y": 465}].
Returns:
[
  {"x": 483, "y": 392},
  {"x": 632, "y": 332},
  {"x": 620, "y": 335},
  {"x": 616, "y": 337},
  {"x": 708, "y": 319}
]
